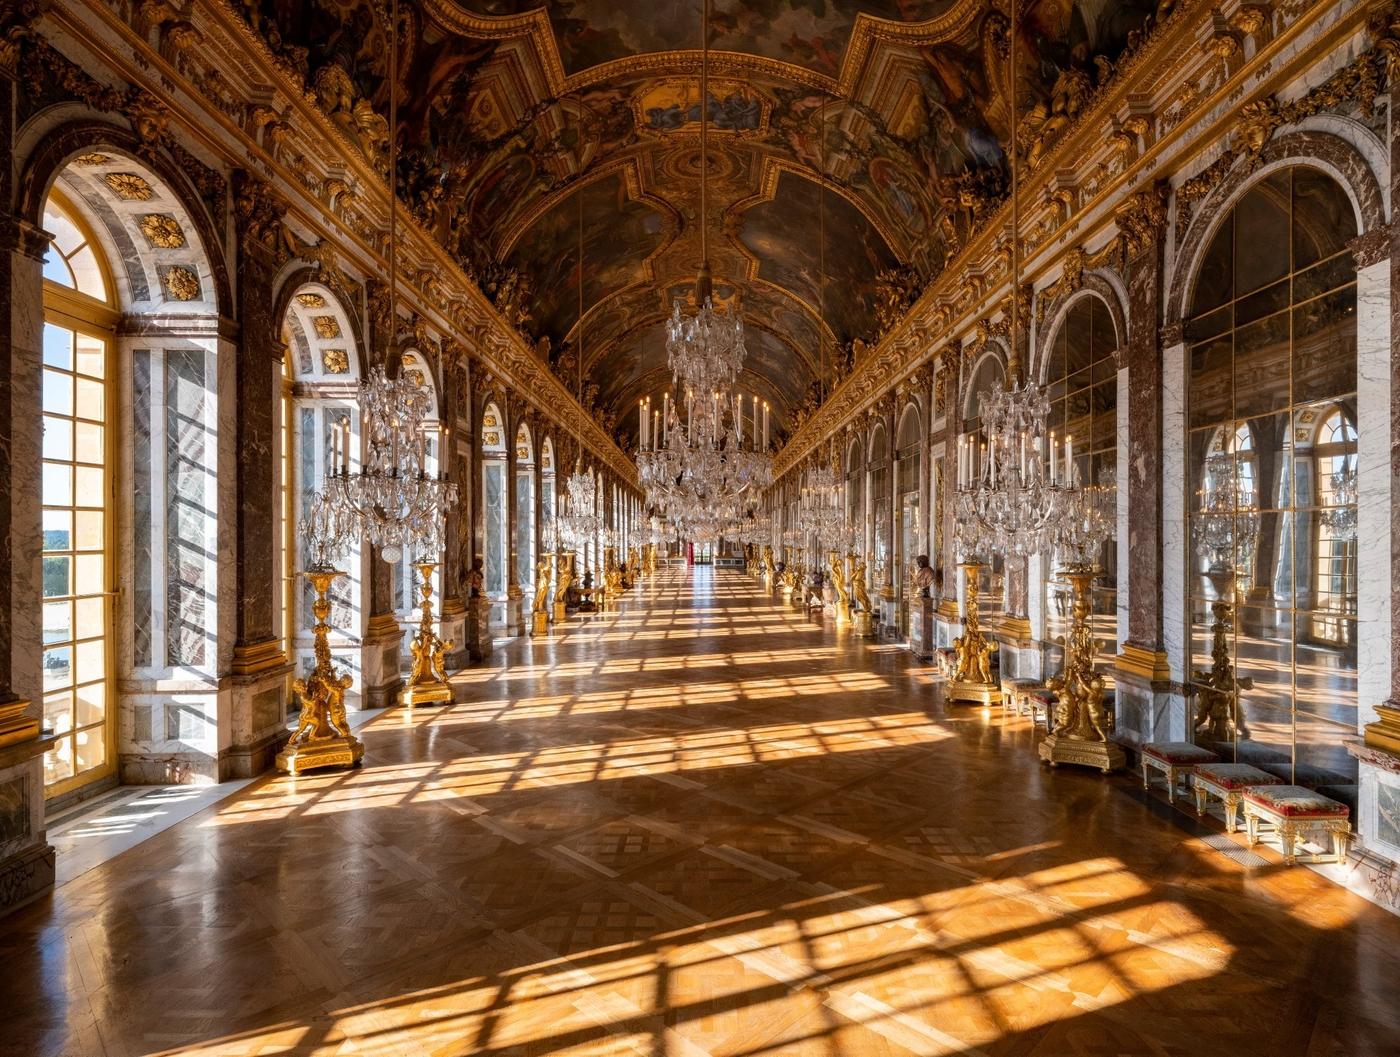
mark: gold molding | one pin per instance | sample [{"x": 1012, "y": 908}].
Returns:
[
  {"x": 253, "y": 658},
  {"x": 1146, "y": 664},
  {"x": 1384, "y": 733},
  {"x": 15, "y": 724}
]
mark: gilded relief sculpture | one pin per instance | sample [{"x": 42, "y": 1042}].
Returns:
[
  {"x": 427, "y": 682},
  {"x": 972, "y": 668}
]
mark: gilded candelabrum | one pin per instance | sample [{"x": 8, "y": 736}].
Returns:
[
  {"x": 322, "y": 737},
  {"x": 563, "y": 582},
  {"x": 427, "y": 681},
  {"x": 1219, "y": 715},
  {"x": 539, "y": 608},
  {"x": 972, "y": 671},
  {"x": 1083, "y": 723}
]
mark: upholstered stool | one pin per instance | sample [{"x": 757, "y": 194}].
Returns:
[
  {"x": 1297, "y": 814},
  {"x": 1014, "y": 693},
  {"x": 1227, "y": 783},
  {"x": 1041, "y": 702},
  {"x": 1175, "y": 759}
]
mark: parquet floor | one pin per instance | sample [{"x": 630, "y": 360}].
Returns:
[{"x": 701, "y": 826}]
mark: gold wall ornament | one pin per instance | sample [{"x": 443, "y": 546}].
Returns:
[
  {"x": 129, "y": 187},
  {"x": 415, "y": 376},
  {"x": 1082, "y": 722},
  {"x": 335, "y": 361},
  {"x": 326, "y": 326},
  {"x": 311, "y": 300},
  {"x": 162, "y": 231},
  {"x": 93, "y": 158},
  {"x": 427, "y": 680},
  {"x": 972, "y": 668},
  {"x": 180, "y": 283},
  {"x": 322, "y": 737}
]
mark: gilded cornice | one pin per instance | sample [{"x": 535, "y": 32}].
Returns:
[
  {"x": 1174, "y": 98},
  {"x": 239, "y": 104}
]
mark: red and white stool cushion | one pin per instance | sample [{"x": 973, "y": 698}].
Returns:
[
  {"x": 1294, "y": 814},
  {"x": 1175, "y": 759},
  {"x": 1227, "y": 783}
]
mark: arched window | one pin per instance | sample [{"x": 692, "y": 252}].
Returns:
[
  {"x": 322, "y": 373},
  {"x": 1270, "y": 414},
  {"x": 76, "y": 490},
  {"x": 493, "y": 501},
  {"x": 525, "y": 508},
  {"x": 1081, "y": 379},
  {"x": 855, "y": 492},
  {"x": 128, "y": 486},
  {"x": 988, "y": 375},
  {"x": 880, "y": 502}
]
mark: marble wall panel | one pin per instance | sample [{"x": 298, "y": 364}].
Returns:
[{"x": 1374, "y": 445}]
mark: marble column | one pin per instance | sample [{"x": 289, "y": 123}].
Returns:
[
  {"x": 456, "y": 533},
  {"x": 26, "y": 857},
  {"x": 250, "y": 452},
  {"x": 1147, "y": 709},
  {"x": 515, "y": 596}
]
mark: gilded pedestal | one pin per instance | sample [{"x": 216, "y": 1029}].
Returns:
[
  {"x": 427, "y": 683},
  {"x": 1082, "y": 723},
  {"x": 972, "y": 671},
  {"x": 322, "y": 737}
]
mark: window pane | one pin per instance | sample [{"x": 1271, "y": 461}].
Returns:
[
  {"x": 58, "y": 484},
  {"x": 89, "y": 485},
  {"x": 57, "y": 573},
  {"x": 58, "y": 761},
  {"x": 92, "y": 356},
  {"x": 58, "y": 438},
  {"x": 88, "y": 580},
  {"x": 58, "y": 392},
  {"x": 58, "y": 622},
  {"x": 58, "y": 712},
  {"x": 88, "y": 447},
  {"x": 91, "y": 703},
  {"x": 58, "y": 530},
  {"x": 58, "y": 346},
  {"x": 89, "y": 534},
  {"x": 91, "y": 617},
  {"x": 91, "y": 748},
  {"x": 90, "y": 399},
  {"x": 58, "y": 668}
]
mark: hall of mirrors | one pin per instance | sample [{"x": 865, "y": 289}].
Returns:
[{"x": 673, "y": 525}]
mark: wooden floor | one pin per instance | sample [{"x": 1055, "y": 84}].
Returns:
[{"x": 704, "y": 825}]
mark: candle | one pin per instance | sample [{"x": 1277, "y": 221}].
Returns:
[
  {"x": 1052, "y": 456},
  {"x": 335, "y": 450},
  {"x": 739, "y": 417},
  {"x": 1069, "y": 460},
  {"x": 765, "y": 425},
  {"x": 642, "y": 421},
  {"x": 422, "y": 448},
  {"x": 755, "y": 421}
]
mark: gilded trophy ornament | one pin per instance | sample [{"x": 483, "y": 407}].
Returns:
[
  {"x": 1083, "y": 724},
  {"x": 972, "y": 670},
  {"x": 322, "y": 736},
  {"x": 427, "y": 681}
]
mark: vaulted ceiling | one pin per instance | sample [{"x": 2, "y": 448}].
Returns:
[{"x": 527, "y": 128}]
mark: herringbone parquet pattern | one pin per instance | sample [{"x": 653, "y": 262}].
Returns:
[{"x": 701, "y": 826}]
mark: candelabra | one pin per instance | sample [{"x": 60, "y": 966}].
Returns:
[
  {"x": 322, "y": 736},
  {"x": 1083, "y": 721},
  {"x": 427, "y": 681}
]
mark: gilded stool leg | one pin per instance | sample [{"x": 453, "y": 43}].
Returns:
[
  {"x": 1341, "y": 842},
  {"x": 1251, "y": 827},
  {"x": 1288, "y": 836},
  {"x": 1145, "y": 779},
  {"x": 1200, "y": 792},
  {"x": 1232, "y": 812},
  {"x": 1171, "y": 785}
]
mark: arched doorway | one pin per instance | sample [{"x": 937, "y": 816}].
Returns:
[
  {"x": 494, "y": 510},
  {"x": 525, "y": 518}
]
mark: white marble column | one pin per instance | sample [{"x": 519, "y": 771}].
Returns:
[
  {"x": 1169, "y": 721},
  {"x": 1374, "y": 470}
]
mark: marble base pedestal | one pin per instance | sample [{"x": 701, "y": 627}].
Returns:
[
  {"x": 380, "y": 674},
  {"x": 560, "y": 613},
  {"x": 1146, "y": 709},
  {"x": 539, "y": 624},
  {"x": 862, "y": 625},
  {"x": 480, "y": 639},
  {"x": 921, "y": 629},
  {"x": 258, "y": 696},
  {"x": 26, "y": 857},
  {"x": 515, "y": 613},
  {"x": 889, "y": 612},
  {"x": 453, "y": 625},
  {"x": 1377, "y": 845}
]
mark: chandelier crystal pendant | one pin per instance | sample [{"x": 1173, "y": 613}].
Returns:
[{"x": 580, "y": 523}]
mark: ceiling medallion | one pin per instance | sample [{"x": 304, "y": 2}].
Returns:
[
  {"x": 336, "y": 361},
  {"x": 326, "y": 326},
  {"x": 129, "y": 187},
  {"x": 180, "y": 283},
  {"x": 311, "y": 301},
  {"x": 162, "y": 231},
  {"x": 92, "y": 159}
]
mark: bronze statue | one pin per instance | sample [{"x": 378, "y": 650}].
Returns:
[
  {"x": 838, "y": 584},
  {"x": 543, "y": 573},
  {"x": 858, "y": 588}
]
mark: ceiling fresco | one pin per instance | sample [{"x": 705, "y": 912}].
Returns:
[{"x": 512, "y": 112}]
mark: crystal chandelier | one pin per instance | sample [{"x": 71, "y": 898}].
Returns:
[
  {"x": 1340, "y": 517},
  {"x": 705, "y": 351},
  {"x": 822, "y": 508},
  {"x": 1228, "y": 520},
  {"x": 580, "y": 523},
  {"x": 391, "y": 497}
]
